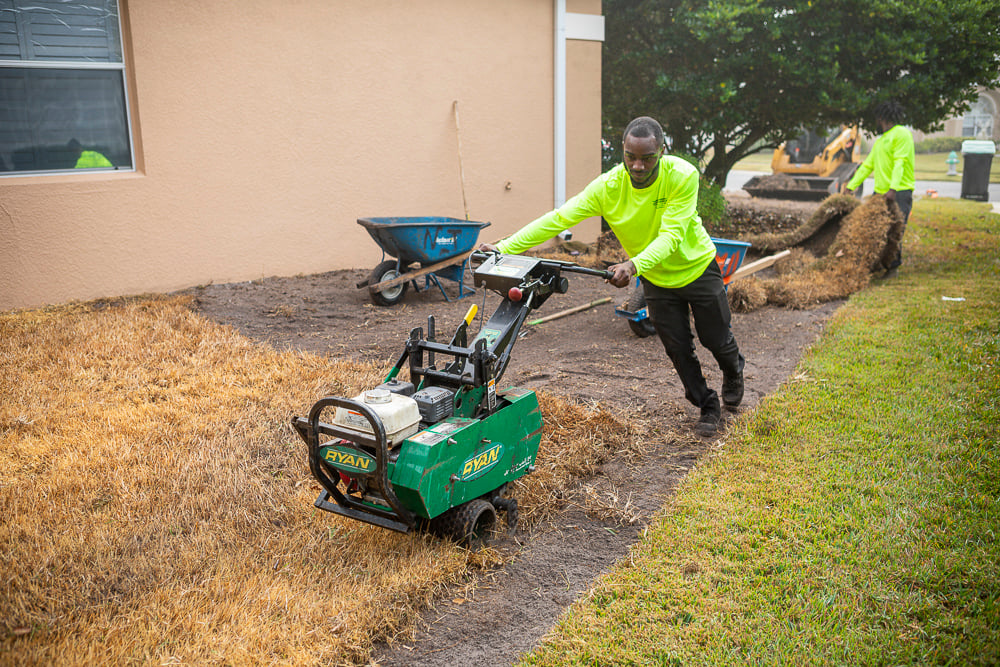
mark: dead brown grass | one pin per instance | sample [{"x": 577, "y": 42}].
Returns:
[
  {"x": 156, "y": 508},
  {"x": 747, "y": 295},
  {"x": 576, "y": 441},
  {"x": 798, "y": 260}
]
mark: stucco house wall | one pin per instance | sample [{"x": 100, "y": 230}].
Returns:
[{"x": 264, "y": 130}]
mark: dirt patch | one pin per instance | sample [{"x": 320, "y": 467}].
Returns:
[
  {"x": 752, "y": 215},
  {"x": 590, "y": 357},
  {"x": 780, "y": 182},
  {"x": 815, "y": 234}
]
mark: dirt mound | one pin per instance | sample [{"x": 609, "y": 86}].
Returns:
[
  {"x": 815, "y": 235},
  {"x": 780, "y": 182},
  {"x": 867, "y": 239},
  {"x": 753, "y": 215},
  {"x": 609, "y": 249}
]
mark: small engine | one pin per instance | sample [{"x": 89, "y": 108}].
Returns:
[{"x": 435, "y": 403}]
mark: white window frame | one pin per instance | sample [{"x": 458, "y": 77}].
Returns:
[{"x": 81, "y": 64}]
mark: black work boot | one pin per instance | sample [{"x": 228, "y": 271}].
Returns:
[
  {"x": 732, "y": 390},
  {"x": 708, "y": 423}
]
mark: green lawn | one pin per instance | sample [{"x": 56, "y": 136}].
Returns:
[
  {"x": 927, "y": 166},
  {"x": 853, "y": 517}
]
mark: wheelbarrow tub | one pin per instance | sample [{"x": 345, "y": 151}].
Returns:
[
  {"x": 729, "y": 255},
  {"x": 423, "y": 239}
]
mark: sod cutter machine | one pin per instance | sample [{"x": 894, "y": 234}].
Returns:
[{"x": 437, "y": 452}]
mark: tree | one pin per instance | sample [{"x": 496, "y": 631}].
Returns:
[{"x": 730, "y": 77}]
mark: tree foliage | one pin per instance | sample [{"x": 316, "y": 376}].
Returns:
[{"x": 728, "y": 77}]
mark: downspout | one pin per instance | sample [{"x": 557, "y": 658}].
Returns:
[{"x": 559, "y": 140}]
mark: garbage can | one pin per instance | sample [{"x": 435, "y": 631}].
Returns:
[{"x": 978, "y": 156}]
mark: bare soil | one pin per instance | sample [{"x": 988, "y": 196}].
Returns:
[{"x": 590, "y": 357}]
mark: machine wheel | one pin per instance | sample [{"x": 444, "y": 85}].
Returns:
[
  {"x": 469, "y": 524},
  {"x": 642, "y": 328},
  {"x": 385, "y": 272},
  {"x": 509, "y": 506}
]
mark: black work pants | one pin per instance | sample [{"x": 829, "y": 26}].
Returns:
[
  {"x": 904, "y": 200},
  {"x": 669, "y": 309}
]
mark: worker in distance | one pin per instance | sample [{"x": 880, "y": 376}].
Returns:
[
  {"x": 891, "y": 161},
  {"x": 650, "y": 203}
]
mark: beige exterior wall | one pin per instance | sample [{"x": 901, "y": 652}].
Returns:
[
  {"x": 264, "y": 130},
  {"x": 583, "y": 116}
]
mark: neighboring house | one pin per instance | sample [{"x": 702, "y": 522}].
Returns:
[
  {"x": 981, "y": 121},
  {"x": 246, "y": 138}
]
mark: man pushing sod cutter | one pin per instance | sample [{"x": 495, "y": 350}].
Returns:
[{"x": 650, "y": 203}]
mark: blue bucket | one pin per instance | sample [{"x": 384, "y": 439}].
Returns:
[{"x": 729, "y": 255}]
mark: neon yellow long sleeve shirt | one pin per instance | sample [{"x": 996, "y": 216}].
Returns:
[
  {"x": 92, "y": 159},
  {"x": 658, "y": 226},
  {"x": 891, "y": 160}
]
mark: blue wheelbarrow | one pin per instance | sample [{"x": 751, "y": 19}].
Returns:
[
  {"x": 440, "y": 246},
  {"x": 729, "y": 255}
]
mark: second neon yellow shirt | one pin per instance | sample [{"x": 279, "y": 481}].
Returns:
[{"x": 891, "y": 160}]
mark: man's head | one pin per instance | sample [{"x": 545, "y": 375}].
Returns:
[
  {"x": 889, "y": 114},
  {"x": 642, "y": 145}
]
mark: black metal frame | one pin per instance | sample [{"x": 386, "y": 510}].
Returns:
[
  {"x": 475, "y": 366},
  {"x": 398, "y": 517}
]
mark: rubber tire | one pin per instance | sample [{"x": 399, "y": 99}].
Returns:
[
  {"x": 643, "y": 328},
  {"x": 382, "y": 273},
  {"x": 469, "y": 524}
]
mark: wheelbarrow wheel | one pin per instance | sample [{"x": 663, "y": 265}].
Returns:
[
  {"x": 385, "y": 272},
  {"x": 644, "y": 327}
]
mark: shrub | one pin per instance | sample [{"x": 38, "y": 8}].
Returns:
[
  {"x": 712, "y": 204},
  {"x": 939, "y": 145}
]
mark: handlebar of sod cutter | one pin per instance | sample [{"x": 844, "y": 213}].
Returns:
[{"x": 479, "y": 256}]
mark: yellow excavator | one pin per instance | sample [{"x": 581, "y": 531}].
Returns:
[{"x": 810, "y": 167}]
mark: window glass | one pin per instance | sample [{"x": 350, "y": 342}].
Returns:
[
  {"x": 62, "y": 87},
  {"x": 978, "y": 121}
]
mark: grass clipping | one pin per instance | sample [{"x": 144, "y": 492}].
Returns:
[
  {"x": 157, "y": 508},
  {"x": 867, "y": 239}
]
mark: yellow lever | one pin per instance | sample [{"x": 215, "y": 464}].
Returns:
[{"x": 471, "y": 315}]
